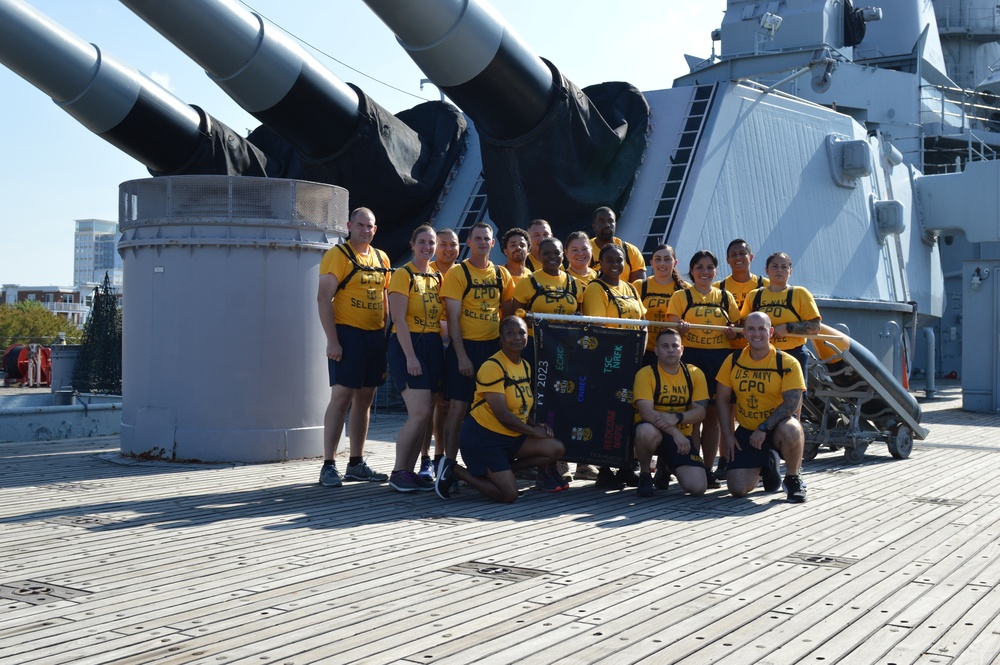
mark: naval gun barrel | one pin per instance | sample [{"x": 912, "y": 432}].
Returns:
[
  {"x": 262, "y": 69},
  {"x": 549, "y": 149},
  {"x": 107, "y": 96},
  {"x": 475, "y": 58}
]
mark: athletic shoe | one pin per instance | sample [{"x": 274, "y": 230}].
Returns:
[
  {"x": 720, "y": 471},
  {"x": 628, "y": 476},
  {"x": 606, "y": 479},
  {"x": 404, "y": 481},
  {"x": 711, "y": 482},
  {"x": 547, "y": 481},
  {"x": 423, "y": 484},
  {"x": 427, "y": 470},
  {"x": 329, "y": 476},
  {"x": 645, "y": 488},
  {"x": 364, "y": 472},
  {"x": 446, "y": 479},
  {"x": 796, "y": 489},
  {"x": 661, "y": 480},
  {"x": 585, "y": 472},
  {"x": 771, "y": 474},
  {"x": 562, "y": 479}
]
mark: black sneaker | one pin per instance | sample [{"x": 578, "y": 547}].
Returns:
[
  {"x": 720, "y": 471},
  {"x": 628, "y": 476},
  {"x": 710, "y": 481},
  {"x": 771, "y": 474},
  {"x": 661, "y": 479},
  {"x": 796, "y": 489},
  {"x": 606, "y": 479},
  {"x": 446, "y": 479},
  {"x": 645, "y": 488}
]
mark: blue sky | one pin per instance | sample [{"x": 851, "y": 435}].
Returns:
[{"x": 53, "y": 170}]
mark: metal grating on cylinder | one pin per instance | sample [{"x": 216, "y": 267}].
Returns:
[{"x": 223, "y": 200}]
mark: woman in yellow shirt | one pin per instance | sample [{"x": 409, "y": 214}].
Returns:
[
  {"x": 499, "y": 437},
  {"x": 655, "y": 292},
  {"x": 578, "y": 256},
  {"x": 415, "y": 353}
]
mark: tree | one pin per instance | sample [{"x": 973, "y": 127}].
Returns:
[
  {"x": 99, "y": 365},
  {"x": 29, "y": 321}
]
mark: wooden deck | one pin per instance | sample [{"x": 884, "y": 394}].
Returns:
[{"x": 108, "y": 560}]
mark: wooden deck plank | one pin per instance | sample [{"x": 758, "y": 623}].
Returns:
[{"x": 258, "y": 563}]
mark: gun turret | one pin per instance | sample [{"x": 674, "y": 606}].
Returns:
[
  {"x": 395, "y": 165},
  {"x": 549, "y": 148},
  {"x": 117, "y": 102}
]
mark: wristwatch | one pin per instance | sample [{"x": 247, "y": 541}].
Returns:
[
  {"x": 762, "y": 427},
  {"x": 680, "y": 417}
]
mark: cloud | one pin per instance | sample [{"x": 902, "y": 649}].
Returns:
[{"x": 162, "y": 79}]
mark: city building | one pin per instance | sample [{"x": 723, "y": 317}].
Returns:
[{"x": 95, "y": 252}]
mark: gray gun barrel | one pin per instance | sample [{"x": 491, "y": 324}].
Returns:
[
  {"x": 107, "y": 96},
  {"x": 262, "y": 69},
  {"x": 475, "y": 58}
]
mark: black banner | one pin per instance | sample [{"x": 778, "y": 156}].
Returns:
[{"x": 583, "y": 388}]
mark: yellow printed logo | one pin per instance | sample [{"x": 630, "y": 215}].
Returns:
[
  {"x": 581, "y": 434},
  {"x": 564, "y": 386},
  {"x": 625, "y": 395},
  {"x": 587, "y": 342}
]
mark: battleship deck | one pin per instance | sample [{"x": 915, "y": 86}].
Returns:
[{"x": 112, "y": 560}]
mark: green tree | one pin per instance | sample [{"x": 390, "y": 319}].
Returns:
[
  {"x": 99, "y": 365},
  {"x": 29, "y": 321}
]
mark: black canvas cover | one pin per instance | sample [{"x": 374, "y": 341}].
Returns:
[
  {"x": 394, "y": 164},
  {"x": 222, "y": 152},
  {"x": 581, "y": 156}
]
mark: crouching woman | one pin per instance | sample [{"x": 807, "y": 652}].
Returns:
[{"x": 498, "y": 437}]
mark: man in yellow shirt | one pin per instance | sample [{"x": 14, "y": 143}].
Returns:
[
  {"x": 669, "y": 398},
  {"x": 538, "y": 230},
  {"x": 603, "y": 223},
  {"x": 768, "y": 385},
  {"x": 473, "y": 292},
  {"x": 352, "y": 308}
]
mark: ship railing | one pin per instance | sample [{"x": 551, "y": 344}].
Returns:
[
  {"x": 967, "y": 19},
  {"x": 959, "y": 109}
]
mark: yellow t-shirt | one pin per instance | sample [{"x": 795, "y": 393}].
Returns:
[
  {"x": 673, "y": 396},
  {"x": 434, "y": 267},
  {"x": 656, "y": 301},
  {"x": 499, "y": 375},
  {"x": 548, "y": 294},
  {"x": 756, "y": 384},
  {"x": 480, "y": 298},
  {"x": 775, "y": 305},
  {"x": 362, "y": 278},
  {"x": 633, "y": 257},
  {"x": 705, "y": 309},
  {"x": 583, "y": 281},
  {"x": 424, "y": 309},
  {"x": 739, "y": 291},
  {"x": 620, "y": 302}
]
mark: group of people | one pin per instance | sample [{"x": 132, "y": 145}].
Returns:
[{"x": 461, "y": 355}]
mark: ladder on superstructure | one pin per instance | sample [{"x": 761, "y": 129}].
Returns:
[{"x": 661, "y": 222}]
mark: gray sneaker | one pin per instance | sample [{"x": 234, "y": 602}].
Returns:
[
  {"x": 365, "y": 473},
  {"x": 405, "y": 481},
  {"x": 329, "y": 476}
]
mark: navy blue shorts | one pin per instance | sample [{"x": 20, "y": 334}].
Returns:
[
  {"x": 800, "y": 354},
  {"x": 748, "y": 457},
  {"x": 430, "y": 352},
  {"x": 462, "y": 388},
  {"x": 708, "y": 361},
  {"x": 485, "y": 450},
  {"x": 363, "y": 362},
  {"x": 666, "y": 453}
]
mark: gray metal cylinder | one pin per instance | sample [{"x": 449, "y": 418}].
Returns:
[{"x": 223, "y": 355}]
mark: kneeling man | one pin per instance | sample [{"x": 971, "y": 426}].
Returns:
[
  {"x": 768, "y": 385},
  {"x": 670, "y": 397}
]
